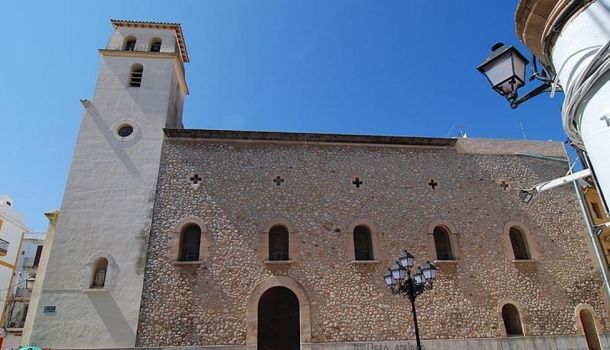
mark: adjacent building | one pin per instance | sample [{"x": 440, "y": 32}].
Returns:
[
  {"x": 20, "y": 293},
  {"x": 12, "y": 229},
  {"x": 270, "y": 240}
]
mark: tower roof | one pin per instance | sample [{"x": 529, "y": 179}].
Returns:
[{"x": 116, "y": 23}]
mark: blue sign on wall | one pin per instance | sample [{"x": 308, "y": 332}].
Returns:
[{"x": 49, "y": 309}]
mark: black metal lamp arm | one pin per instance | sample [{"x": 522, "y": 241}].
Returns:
[
  {"x": 515, "y": 102},
  {"x": 543, "y": 76}
]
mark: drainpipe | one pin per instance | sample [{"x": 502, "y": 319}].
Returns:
[{"x": 601, "y": 261}]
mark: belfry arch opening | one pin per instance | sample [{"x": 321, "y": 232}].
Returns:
[{"x": 278, "y": 320}]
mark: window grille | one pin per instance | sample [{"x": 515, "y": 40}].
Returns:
[
  {"x": 278, "y": 243},
  {"x": 190, "y": 240},
  {"x": 363, "y": 245},
  {"x": 99, "y": 275}
]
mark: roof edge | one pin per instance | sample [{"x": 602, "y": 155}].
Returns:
[{"x": 306, "y": 137}]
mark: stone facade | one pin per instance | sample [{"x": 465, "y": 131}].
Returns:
[
  {"x": 115, "y": 275},
  {"x": 214, "y": 301}
]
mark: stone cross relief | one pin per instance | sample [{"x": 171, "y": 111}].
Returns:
[
  {"x": 195, "y": 179},
  {"x": 278, "y": 180},
  {"x": 504, "y": 185}
]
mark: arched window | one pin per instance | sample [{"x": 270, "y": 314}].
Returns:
[
  {"x": 155, "y": 45},
  {"x": 588, "y": 327},
  {"x": 190, "y": 241},
  {"x": 278, "y": 243},
  {"x": 512, "y": 321},
  {"x": 99, "y": 273},
  {"x": 130, "y": 43},
  {"x": 519, "y": 244},
  {"x": 135, "y": 76},
  {"x": 442, "y": 243},
  {"x": 363, "y": 245}
]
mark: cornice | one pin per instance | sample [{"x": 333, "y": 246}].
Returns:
[{"x": 156, "y": 55}]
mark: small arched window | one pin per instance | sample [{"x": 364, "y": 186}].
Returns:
[
  {"x": 519, "y": 244},
  {"x": 99, "y": 273},
  {"x": 130, "y": 43},
  {"x": 135, "y": 76},
  {"x": 155, "y": 45},
  {"x": 512, "y": 320},
  {"x": 278, "y": 243},
  {"x": 442, "y": 243},
  {"x": 190, "y": 242},
  {"x": 363, "y": 245}
]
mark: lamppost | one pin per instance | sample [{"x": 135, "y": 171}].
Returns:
[
  {"x": 505, "y": 70},
  {"x": 400, "y": 281}
]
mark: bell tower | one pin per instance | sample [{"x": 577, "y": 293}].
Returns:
[{"x": 90, "y": 295}]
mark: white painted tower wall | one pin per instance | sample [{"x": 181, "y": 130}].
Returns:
[
  {"x": 108, "y": 201},
  {"x": 574, "y": 49}
]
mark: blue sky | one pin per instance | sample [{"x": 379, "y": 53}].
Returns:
[{"x": 349, "y": 66}]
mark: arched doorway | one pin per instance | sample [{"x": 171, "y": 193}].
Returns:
[
  {"x": 278, "y": 320},
  {"x": 512, "y": 320},
  {"x": 588, "y": 326}
]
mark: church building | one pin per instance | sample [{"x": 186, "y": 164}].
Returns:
[{"x": 173, "y": 237}]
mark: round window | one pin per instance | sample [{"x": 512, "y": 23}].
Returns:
[{"x": 125, "y": 130}]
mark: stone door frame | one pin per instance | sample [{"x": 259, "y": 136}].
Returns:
[{"x": 252, "y": 309}]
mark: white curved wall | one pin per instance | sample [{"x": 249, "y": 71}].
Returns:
[{"x": 574, "y": 49}]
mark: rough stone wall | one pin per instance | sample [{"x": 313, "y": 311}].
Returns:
[{"x": 206, "y": 304}]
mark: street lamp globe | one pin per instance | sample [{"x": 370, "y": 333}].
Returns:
[
  {"x": 419, "y": 276},
  {"x": 401, "y": 280},
  {"x": 398, "y": 272},
  {"x": 389, "y": 279},
  {"x": 406, "y": 260},
  {"x": 505, "y": 70},
  {"x": 429, "y": 271}
]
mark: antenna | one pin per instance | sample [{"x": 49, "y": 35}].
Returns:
[
  {"x": 461, "y": 133},
  {"x": 522, "y": 130},
  {"x": 450, "y": 130}
]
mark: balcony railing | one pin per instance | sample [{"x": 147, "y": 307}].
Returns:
[
  {"x": 3, "y": 247},
  {"x": 23, "y": 292},
  {"x": 16, "y": 324}
]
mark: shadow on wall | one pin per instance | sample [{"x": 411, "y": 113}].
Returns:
[
  {"x": 114, "y": 320},
  {"x": 106, "y": 131}
]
